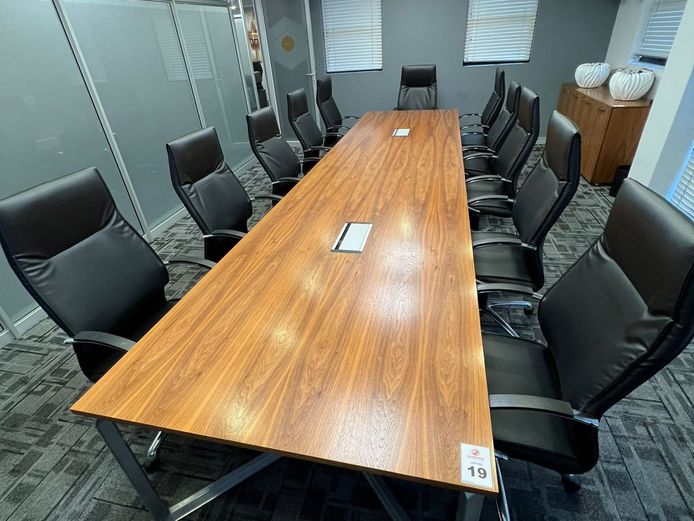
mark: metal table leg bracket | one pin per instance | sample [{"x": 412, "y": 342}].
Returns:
[{"x": 138, "y": 477}]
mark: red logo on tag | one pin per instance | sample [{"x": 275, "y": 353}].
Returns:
[{"x": 475, "y": 453}]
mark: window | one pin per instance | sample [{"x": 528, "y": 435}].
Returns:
[
  {"x": 353, "y": 35},
  {"x": 499, "y": 31},
  {"x": 683, "y": 193},
  {"x": 655, "y": 40}
]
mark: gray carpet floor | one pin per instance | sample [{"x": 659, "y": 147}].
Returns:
[{"x": 54, "y": 465}]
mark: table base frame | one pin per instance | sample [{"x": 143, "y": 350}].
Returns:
[{"x": 469, "y": 506}]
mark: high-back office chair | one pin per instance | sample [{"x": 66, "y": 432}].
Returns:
[
  {"x": 507, "y": 165},
  {"x": 418, "y": 90},
  {"x": 312, "y": 140},
  {"x": 494, "y": 103},
  {"x": 210, "y": 191},
  {"x": 329, "y": 111},
  {"x": 493, "y": 138},
  {"x": 87, "y": 268},
  {"x": 619, "y": 315},
  {"x": 549, "y": 188},
  {"x": 273, "y": 152}
]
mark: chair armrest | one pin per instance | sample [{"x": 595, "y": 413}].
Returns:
[
  {"x": 490, "y": 177},
  {"x": 336, "y": 127},
  {"x": 100, "y": 338},
  {"x": 489, "y": 197},
  {"x": 475, "y": 125},
  {"x": 333, "y": 134},
  {"x": 304, "y": 160},
  {"x": 351, "y": 117},
  {"x": 287, "y": 180},
  {"x": 539, "y": 404},
  {"x": 194, "y": 261},
  {"x": 317, "y": 148},
  {"x": 475, "y": 155},
  {"x": 503, "y": 287},
  {"x": 470, "y": 115},
  {"x": 273, "y": 197},
  {"x": 229, "y": 234},
  {"x": 515, "y": 241},
  {"x": 478, "y": 148},
  {"x": 471, "y": 133}
]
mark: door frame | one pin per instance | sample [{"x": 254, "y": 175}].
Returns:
[{"x": 267, "y": 62}]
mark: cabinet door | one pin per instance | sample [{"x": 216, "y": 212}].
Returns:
[
  {"x": 564, "y": 100},
  {"x": 594, "y": 117}
]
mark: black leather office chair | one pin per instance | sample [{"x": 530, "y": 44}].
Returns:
[
  {"x": 508, "y": 164},
  {"x": 493, "y": 138},
  {"x": 313, "y": 141},
  {"x": 619, "y": 315},
  {"x": 87, "y": 268},
  {"x": 329, "y": 111},
  {"x": 272, "y": 151},
  {"x": 493, "y": 107},
  {"x": 210, "y": 191},
  {"x": 517, "y": 259},
  {"x": 418, "y": 89}
]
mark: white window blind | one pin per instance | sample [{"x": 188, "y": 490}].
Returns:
[
  {"x": 499, "y": 31},
  {"x": 683, "y": 194},
  {"x": 353, "y": 35},
  {"x": 656, "y": 39}
]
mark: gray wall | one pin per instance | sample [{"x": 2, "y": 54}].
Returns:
[{"x": 568, "y": 32}]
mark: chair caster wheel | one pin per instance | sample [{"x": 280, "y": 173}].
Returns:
[{"x": 571, "y": 482}]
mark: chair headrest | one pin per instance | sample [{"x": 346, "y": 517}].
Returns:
[
  {"x": 513, "y": 97},
  {"x": 529, "y": 111},
  {"x": 194, "y": 156},
  {"x": 324, "y": 90},
  {"x": 297, "y": 104},
  {"x": 499, "y": 82},
  {"x": 563, "y": 145},
  {"x": 262, "y": 125},
  {"x": 56, "y": 215},
  {"x": 653, "y": 244},
  {"x": 418, "y": 75}
]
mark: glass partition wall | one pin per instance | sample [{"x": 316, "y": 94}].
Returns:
[{"x": 107, "y": 83}]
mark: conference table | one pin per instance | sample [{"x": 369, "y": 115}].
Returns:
[{"x": 352, "y": 345}]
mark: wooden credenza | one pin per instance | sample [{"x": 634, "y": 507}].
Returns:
[{"x": 610, "y": 129}]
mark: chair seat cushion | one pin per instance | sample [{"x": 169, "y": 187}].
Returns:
[
  {"x": 517, "y": 366},
  {"x": 473, "y": 139},
  {"x": 501, "y": 262},
  {"x": 478, "y": 188},
  {"x": 496, "y": 208},
  {"x": 478, "y": 166}
]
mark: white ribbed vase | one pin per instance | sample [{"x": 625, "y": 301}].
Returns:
[
  {"x": 631, "y": 83},
  {"x": 591, "y": 75}
]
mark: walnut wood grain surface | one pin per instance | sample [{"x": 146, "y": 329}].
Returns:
[{"x": 371, "y": 361}]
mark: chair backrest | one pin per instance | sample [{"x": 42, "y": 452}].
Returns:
[
  {"x": 496, "y": 99},
  {"x": 301, "y": 120},
  {"x": 329, "y": 112},
  {"x": 498, "y": 131},
  {"x": 418, "y": 89},
  {"x": 548, "y": 190},
  {"x": 516, "y": 148},
  {"x": 76, "y": 255},
  {"x": 626, "y": 308},
  {"x": 208, "y": 188},
  {"x": 272, "y": 151}
]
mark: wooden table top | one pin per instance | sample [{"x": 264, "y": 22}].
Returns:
[{"x": 370, "y": 361}]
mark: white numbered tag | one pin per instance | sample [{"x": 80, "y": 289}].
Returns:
[
  {"x": 475, "y": 465},
  {"x": 401, "y": 132}
]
